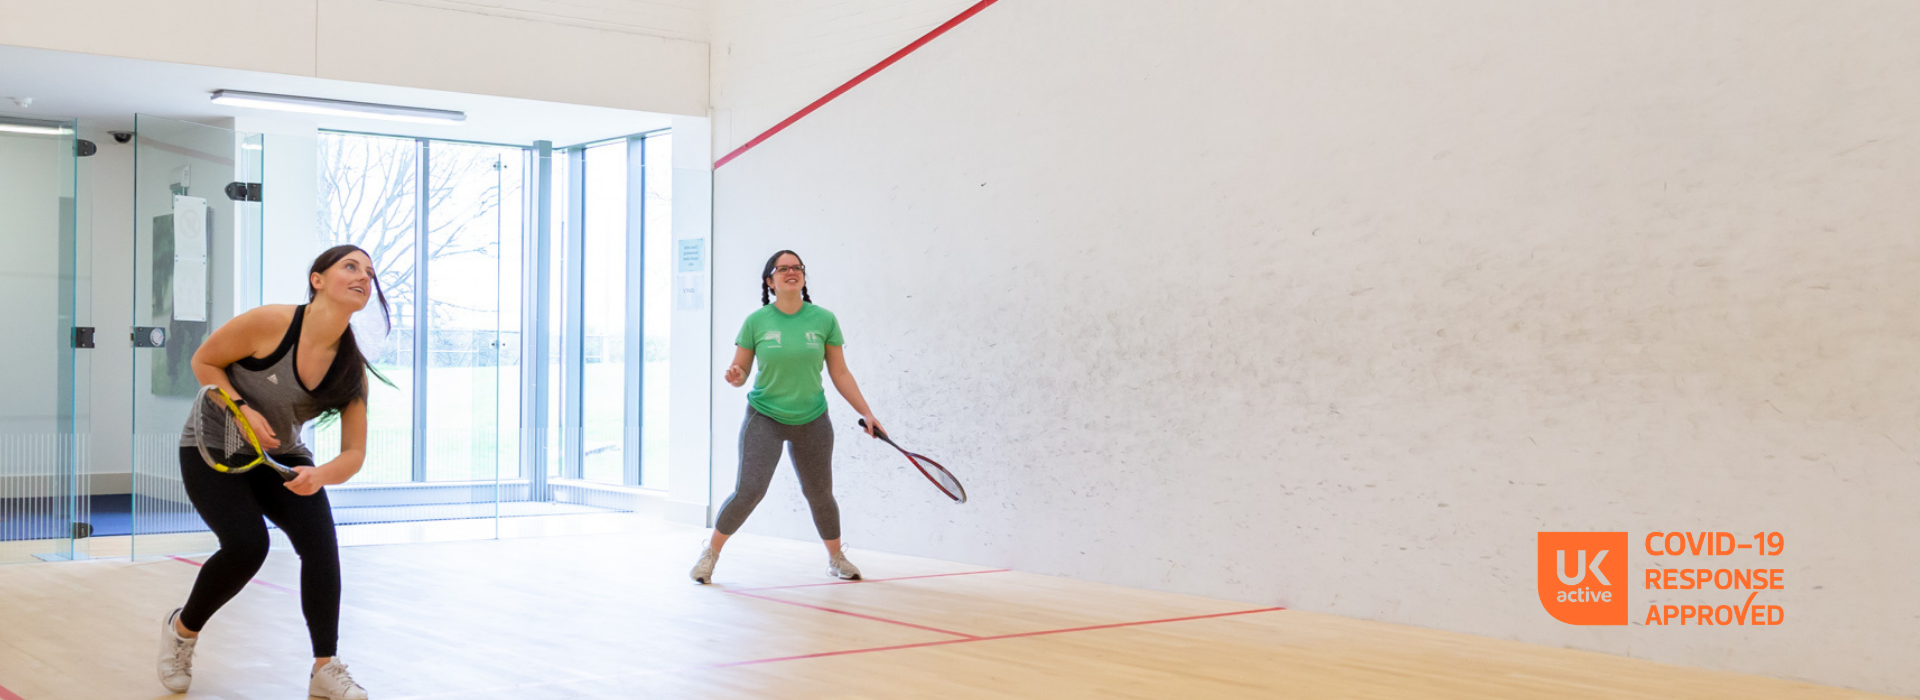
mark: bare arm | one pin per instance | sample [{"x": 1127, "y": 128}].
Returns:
[
  {"x": 236, "y": 339},
  {"x": 742, "y": 361},
  {"x": 353, "y": 453},
  {"x": 849, "y": 389}
]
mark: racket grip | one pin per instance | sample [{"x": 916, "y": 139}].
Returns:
[{"x": 877, "y": 433}]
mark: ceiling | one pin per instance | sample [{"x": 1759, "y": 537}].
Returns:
[{"x": 106, "y": 92}]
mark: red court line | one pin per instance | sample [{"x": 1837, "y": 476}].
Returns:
[
  {"x": 869, "y": 580},
  {"x": 858, "y": 79},
  {"x": 1016, "y": 635},
  {"x": 858, "y": 615},
  {"x": 8, "y": 694},
  {"x": 280, "y": 588},
  {"x": 863, "y": 651}
]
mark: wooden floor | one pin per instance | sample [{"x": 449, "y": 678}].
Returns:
[{"x": 614, "y": 616}]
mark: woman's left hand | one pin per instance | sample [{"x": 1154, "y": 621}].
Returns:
[
  {"x": 307, "y": 483},
  {"x": 873, "y": 425}
]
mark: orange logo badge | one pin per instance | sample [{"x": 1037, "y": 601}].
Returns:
[{"x": 1583, "y": 577}]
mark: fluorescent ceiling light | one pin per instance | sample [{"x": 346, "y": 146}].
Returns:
[
  {"x": 41, "y": 127},
  {"x": 340, "y": 108}
]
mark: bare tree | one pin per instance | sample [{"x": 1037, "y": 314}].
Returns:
[{"x": 369, "y": 197}]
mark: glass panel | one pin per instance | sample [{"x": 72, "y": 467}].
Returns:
[
  {"x": 465, "y": 217},
  {"x": 657, "y": 300},
  {"x": 559, "y": 291},
  {"x": 604, "y": 311},
  {"x": 195, "y": 251},
  {"x": 517, "y": 184},
  {"x": 368, "y": 198},
  {"x": 44, "y": 502}
]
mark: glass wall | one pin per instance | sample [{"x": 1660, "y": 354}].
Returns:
[
  {"x": 196, "y": 252},
  {"x": 464, "y": 238},
  {"x": 474, "y": 212},
  {"x": 612, "y": 331},
  {"x": 46, "y": 510},
  {"x": 603, "y": 399},
  {"x": 369, "y": 197},
  {"x": 657, "y": 270}
]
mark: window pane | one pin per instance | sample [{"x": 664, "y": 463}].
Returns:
[
  {"x": 657, "y": 299},
  {"x": 465, "y": 220},
  {"x": 368, "y": 198},
  {"x": 603, "y": 310},
  {"x": 557, "y": 292},
  {"x": 513, "y": 232}
]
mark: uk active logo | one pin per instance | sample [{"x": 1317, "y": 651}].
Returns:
[{"x": 1583, "y": 577}]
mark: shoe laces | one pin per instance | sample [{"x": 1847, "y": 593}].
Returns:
[
  {"x": 182, "y": 656},
  {"x": 339, "y": 673}
]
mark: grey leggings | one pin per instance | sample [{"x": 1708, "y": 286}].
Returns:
[{"x": 810, "y": 446}]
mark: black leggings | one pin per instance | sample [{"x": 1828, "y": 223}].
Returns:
[{"x": 232, "y": 505}]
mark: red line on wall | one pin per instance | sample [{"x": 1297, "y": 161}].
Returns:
[
  {"x": 277, "y": 587},
  {"x": 1016, "y": 635},
  {"x": 855, "y": 614},
  {"x": 8, "y": 694},
  {"x": 858, "y": 79}
]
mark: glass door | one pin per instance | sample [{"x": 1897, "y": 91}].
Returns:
[
  {"x": 197, "y": 241},
  {"x": 45, "y": 505},
  {"x": 442, "y": 221}
]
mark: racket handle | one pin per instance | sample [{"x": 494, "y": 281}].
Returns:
[{"x": 877, "y": 433}]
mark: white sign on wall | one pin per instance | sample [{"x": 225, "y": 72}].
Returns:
[
  {"x": 691, "y": 277},
  {"x": 189, "y": 258}
]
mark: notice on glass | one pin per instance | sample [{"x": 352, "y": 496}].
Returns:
[{"x": 189, "y": 258}]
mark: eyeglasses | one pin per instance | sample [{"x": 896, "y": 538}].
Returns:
[{"x": 784, "y": 269}]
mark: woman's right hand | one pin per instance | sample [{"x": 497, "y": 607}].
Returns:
[
  {"x": 736, "y": 375},
  {"x": 261, "y": 428}
]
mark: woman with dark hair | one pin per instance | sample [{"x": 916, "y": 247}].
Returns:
[
  {"x": 793, "y": 339},
  {"x": 285, "y": 365}
]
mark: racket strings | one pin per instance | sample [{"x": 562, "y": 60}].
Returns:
[
  {"x": 220, "y": 434},
  {"x": 940, "y": 476}
]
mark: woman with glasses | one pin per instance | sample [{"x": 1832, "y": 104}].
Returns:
[{"x": 793, "y": 339}]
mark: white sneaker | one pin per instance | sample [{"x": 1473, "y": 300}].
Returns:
[
  {"x": 332, "y": 682},
  {"x": 838, "y": 566},
  {"x": 176, "y": 656},
  {"x": 703, "y": 569}
]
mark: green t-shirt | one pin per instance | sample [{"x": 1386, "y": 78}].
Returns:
[{"x": 791, "y": 349}]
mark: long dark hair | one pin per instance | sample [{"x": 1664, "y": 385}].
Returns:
[
  {"x": 766, "y": 277},
  {"x": 345, "y": 390}
]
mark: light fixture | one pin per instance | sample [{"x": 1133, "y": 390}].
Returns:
[
  {"x": 40, "y": 127},
  {"x": 342, "y": 108}
]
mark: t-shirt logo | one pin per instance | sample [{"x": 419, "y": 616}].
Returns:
[
  {"x": 813, "y": 339},
  {"x": 772, "y": 337}
]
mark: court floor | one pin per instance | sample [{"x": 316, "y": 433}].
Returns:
[{"x": 614, "y": 616}]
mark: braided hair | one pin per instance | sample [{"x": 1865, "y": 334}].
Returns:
[{"x": 766, "y": 273}]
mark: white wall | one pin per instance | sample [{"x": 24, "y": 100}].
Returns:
[
  {"x": 649, "y": 57},
  {"x": 688, "y": 479},
  {"x": 1336, "y": 305},
  {"x": 36, "y": 172}
]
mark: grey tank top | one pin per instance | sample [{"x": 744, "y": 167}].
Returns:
[{"x": 271, "y": 385}]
